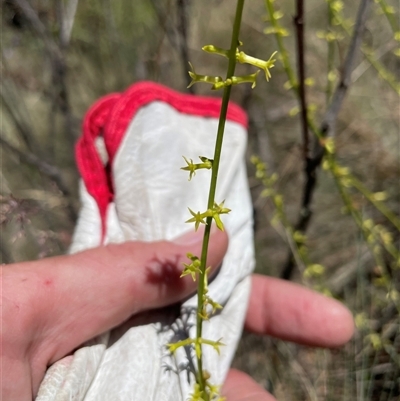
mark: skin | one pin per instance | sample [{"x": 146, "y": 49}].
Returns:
[
  {"x": 293, "y": 318},
  {"x": 51, "y": 306}
]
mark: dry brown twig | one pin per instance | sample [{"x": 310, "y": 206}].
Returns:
[
  {"x": 177, "y": 34},
  {"x": 328, "y": 125}
]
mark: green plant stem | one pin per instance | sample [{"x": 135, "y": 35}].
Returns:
[
  {"x": 331, "y": 56},
  {"x": 299, "y": 26},
  {"x": 282, "y": 49},
  {"x": 390, "y": 17},
  {"x": 320, "y": 134},
  {"x": 378, "y": 205},
  {"x": 213, "y": 186},
  {"x": 376, "y": 253},
  {"x": 369, "y": 55},
  {"x": 381, "y": 69},
  {"x": 284, "y": 55}
]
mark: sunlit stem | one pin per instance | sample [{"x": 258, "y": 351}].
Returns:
[{"x": 213, "y": 185}]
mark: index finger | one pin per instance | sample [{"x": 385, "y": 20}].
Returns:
[{"x": 291, "y": 312}]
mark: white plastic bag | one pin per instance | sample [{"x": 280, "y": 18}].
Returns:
[{"x": 142, "y": 135}]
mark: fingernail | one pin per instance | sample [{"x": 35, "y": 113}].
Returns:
[{"x": 190, "y": 238}]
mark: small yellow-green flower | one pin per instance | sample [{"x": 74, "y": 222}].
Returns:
[
  {"x": 192, "y": 167},
  {"x": 192, "y": 268},
  {"x": 197, "y": 394},
  {"x": 242, "y": 58},
  {"x": 214, "y": 305},
  {"x": 215, "y": 213},
  {"x": 197, "y": 219}
]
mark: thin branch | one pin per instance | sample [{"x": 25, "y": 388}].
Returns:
[
  {"x": 183, "y": 34},
  {"x": 166, "y": 30},
  {"x": 47, "y": 169},
  {"x": 299, "y": 25},
  {"x": 366, "y": 64},
  {"x": 328, "y": 127},
  {"x": 162, "y": 19},
  {"x": 44, "y": 167},
  {"x": 329, "y": 122},
  {"x": 331, "y": 55},
  {"x": 177, "y": 36},
  {"x": 30, "y": 14},
  {"x": 309, "y": 171}
]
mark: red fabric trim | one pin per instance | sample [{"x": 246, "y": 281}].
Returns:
[
  {"x": 143, "y": 93},
  {"x": 89, "y": 163},
  {"x": 111, "y": 115}
]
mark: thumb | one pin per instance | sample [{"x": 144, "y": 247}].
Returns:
[{"x": 71, "y": 299}]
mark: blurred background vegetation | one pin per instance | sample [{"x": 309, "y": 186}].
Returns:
[{"x": 59, "y": 56}]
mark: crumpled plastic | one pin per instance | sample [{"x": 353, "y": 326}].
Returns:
[{"x": 150, "y": 200}]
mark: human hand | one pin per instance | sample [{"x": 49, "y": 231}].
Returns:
[
  {"x": 52, "y": 306},
  {"x": 290, "y": 312}
]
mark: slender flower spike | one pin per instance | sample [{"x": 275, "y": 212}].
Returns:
[
  {"x": 197, "y": 219},
  {"x": 196, "y": 78},
  {"x": 243, "y": 58}
]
